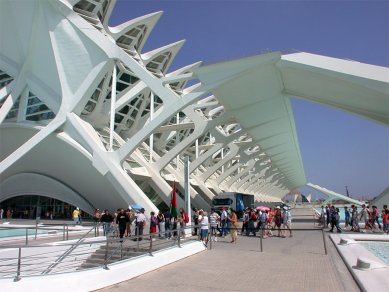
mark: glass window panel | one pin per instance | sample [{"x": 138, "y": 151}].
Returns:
[
  {"x": 90, "y": 106},
  {"x": 95, "y": 95},
  {"x": 33, "y": 100},
  {"x": 85, "y": 5},
  {"x": 124, "y": 40},
  {"x": 120, "y": 86}
]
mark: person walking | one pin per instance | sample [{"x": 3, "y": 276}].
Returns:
[
  {"x": 161, "y": 224},
  {"x": 263, "y": 221},
  {"x": 106, "y": 220},
  {"x": 213, "y": 219},
  {"x": 130, "y": 216},
  {"x": 385, "y": 220},
  {"x": 140, "y": 224},
  {"x": 328, "y": 217},
  {"x": 121, "y": 221},
  {"x": 185, "y": 220},
  {"x": 234, "y": 226},
  {"x": 168, "y": 223},
  {"x": 245, "y": 221},
  {"x": 204, "y": 228},
  {"x": 364, "y": 216},
  {"x": 269, "y": 221},
  {"x": 251, "y": 224},
  {"x": 346, "y": 217},
  {"x": 335, "y": 220},
  {"x": 223, "y": 222},
  {"x": 153, "y": 225},
  {"x": 323, "y": 216},
  {"x": 375, "y": 216},
  {"x": 76, "y": 216},
  {"x": 195, "y": 221},
  {"x": 287, "y": 222},
  {"x": 278, "y": 220},
  {"x": 355, "y": 219}
]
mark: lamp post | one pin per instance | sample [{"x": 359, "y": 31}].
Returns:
[{"x": 348, "y": 195}]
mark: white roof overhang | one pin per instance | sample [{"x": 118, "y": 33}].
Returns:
[
  {"x": 256, "y": 92},
  {"x": 251, "y": 90}
]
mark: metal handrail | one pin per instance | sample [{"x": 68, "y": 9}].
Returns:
[
  {"x": 43, "y": 263},
  {"x": 66, "y": 253},
  {"x": 64, "y": 228}
]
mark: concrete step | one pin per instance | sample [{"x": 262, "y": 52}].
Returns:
[{"x": 119, "y": 251}]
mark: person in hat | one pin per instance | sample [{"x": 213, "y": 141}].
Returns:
[{"x": 286, "y": 222}]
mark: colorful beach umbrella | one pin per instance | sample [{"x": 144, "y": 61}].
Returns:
[{"x": 260, "y": 208}]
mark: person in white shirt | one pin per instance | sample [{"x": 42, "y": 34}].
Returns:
[
  {"x": 223, "y": 222},
  {"x": 140, "y": 224},
  {"x": 204, "y": 227},
  {"x": 287, "y": 222},
  {"x": 213, "y": 220}
]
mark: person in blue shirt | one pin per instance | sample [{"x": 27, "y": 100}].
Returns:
[{"x": 346, "y": 216}]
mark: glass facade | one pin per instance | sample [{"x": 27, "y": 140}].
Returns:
[{"x": 32, "y": 206}]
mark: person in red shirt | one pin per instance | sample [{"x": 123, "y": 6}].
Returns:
[
  {"x": 153, "y": 224},
  {"x": 385, "y": 217}
]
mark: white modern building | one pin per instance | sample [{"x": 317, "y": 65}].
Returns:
[{"x": 90, "y": 119}]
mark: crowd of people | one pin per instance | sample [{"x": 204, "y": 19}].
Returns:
[
  {"x": 266, "y": 221},
  {"x": 127, "y": 222},
  {"x": 369, "y": 218}
]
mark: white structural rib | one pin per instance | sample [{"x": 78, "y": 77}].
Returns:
[
  {"x": 333, "y": 195},
  {"x": 350, "y": 86}
]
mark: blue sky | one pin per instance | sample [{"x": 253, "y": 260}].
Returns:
[{"x": 338, "y": 149}]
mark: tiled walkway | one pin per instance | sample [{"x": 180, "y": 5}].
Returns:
[{"x": 298, "y": 263}]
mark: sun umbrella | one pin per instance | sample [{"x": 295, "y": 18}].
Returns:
[
  {"x": 260, "y": 208},
  {"x": 136, "y": 206}
]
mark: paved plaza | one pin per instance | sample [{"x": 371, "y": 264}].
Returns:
[{"x": 295, "y": 263}]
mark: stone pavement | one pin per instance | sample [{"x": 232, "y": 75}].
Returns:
[{"x": 297, "y": 263}]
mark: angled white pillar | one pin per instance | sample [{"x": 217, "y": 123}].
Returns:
[{"x": 113, "y": 102}]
